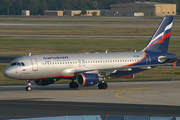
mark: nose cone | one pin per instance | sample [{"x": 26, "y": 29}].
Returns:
[{"x": 7, "y": 72}]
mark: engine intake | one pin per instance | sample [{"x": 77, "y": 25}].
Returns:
[
  {"x": 87, "y": 79},
  {"x": 43, "y": 82}
]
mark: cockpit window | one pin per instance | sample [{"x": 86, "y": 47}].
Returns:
[
  {"x": 17, "y": 64},
  {"x": 13, "y": 64},
  {"x": 22, "y": 64}
]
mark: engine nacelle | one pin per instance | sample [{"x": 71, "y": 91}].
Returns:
[
  {"x": 87, "y": 79},
  {"x": 43, "y": 82}
]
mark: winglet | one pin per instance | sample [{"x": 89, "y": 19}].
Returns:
[{"x": 174, "y": 63}]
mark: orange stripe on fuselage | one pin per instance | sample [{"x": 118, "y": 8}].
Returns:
[
  {"x": 136, "y": 62},
  {"x": 48, "y": 77}
]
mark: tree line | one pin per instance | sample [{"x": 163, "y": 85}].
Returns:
[{"x": 14, "y": 7}]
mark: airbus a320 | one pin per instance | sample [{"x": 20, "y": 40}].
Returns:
[{"x": 91, "y": 68}]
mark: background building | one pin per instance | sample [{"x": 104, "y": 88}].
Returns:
[
  {"x": 72, "y": 12},
  {"x": 53, "y": 12},
  {"x": 93, "y": 12},
  {"x": 148, "y": 8},
  {"x": 26, "y": 12}
]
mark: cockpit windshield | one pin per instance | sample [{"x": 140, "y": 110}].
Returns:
[{"x": 17, "y": 64}]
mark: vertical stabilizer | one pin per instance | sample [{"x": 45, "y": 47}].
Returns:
[{"x": 160, "y": 40}]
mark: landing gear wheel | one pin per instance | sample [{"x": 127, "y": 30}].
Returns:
[
  {"x": 28, "y": 88},
  {"x": 73, "y": 85},
  {"x": 102, "y": 85}
]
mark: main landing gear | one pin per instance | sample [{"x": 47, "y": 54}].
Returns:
[
  {"x": 73, "y": 84},
  {"x": 28, "y": 88},
  {"x": 102, "y": 85}
]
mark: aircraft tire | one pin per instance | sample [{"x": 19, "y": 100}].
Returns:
[
  {"x": 73, "y": 85},
  {"x": 28, "y": 88},
  {"x": 103, "y": 85}
]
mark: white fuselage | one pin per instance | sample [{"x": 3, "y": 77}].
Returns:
[{"x": 68, "y": 65}]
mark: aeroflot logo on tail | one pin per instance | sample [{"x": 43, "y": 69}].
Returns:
[{"x": 61, "y": 57}]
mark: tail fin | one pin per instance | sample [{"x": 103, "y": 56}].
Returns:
[{"x": 160, "y": 40}]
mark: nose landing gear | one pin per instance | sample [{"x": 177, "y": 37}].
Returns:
[{"x": 28, "y": 88}]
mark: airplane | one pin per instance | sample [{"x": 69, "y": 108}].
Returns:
[{"x": 92, "y": 68}]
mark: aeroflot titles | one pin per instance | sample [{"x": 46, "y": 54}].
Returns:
[{"x": 61, "y": 57}]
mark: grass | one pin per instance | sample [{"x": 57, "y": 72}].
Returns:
[
  {"x": 128, "y": 31},
  {"x": 80, "y": 20},
  {"x": 19, "y": 46}
]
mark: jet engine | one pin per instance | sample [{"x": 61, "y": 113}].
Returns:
[
  {"x": 43, "y": 82},
  {"x": 87, "y": 79}
]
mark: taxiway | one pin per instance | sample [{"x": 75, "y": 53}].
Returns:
[{"x": 159, "y": 98}]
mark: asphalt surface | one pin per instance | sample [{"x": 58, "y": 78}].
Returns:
[
  {"x": 28, "y": 109},
  {"x": 73, "y": 25},
  {"x": 7, "y": 59},
  {"x": 121, "y": 98},
  {"x": 80, "y": 36}
]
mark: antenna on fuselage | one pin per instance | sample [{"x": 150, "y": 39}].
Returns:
[
  {"x": 30, "y": 54},
  {"x": 106, "y": 51}
]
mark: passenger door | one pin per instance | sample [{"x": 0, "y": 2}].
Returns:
[{"x": 34, "y": 64}]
